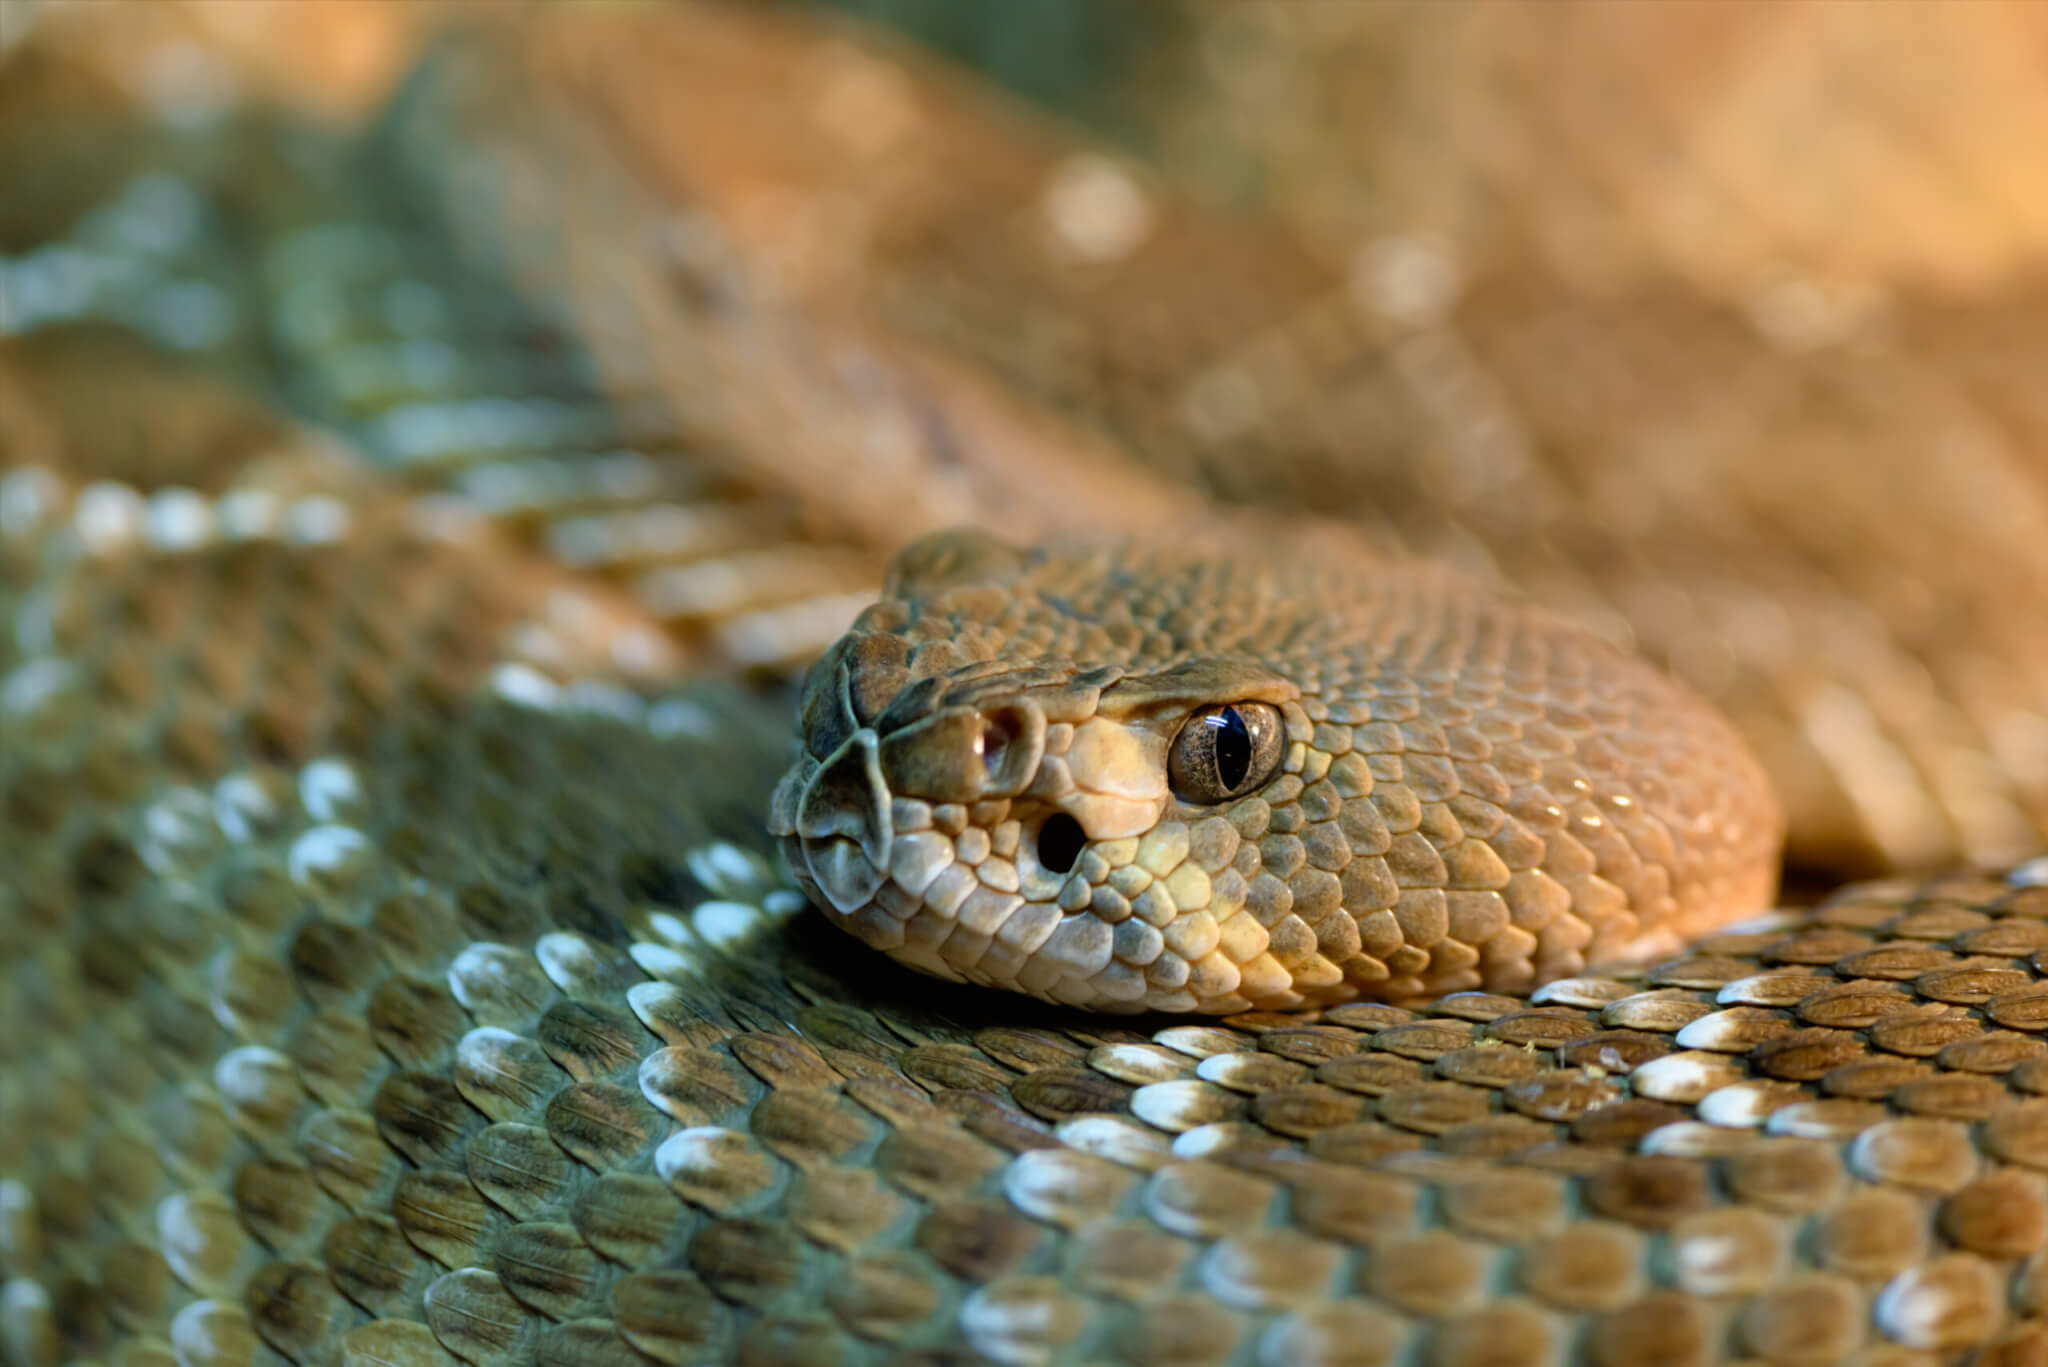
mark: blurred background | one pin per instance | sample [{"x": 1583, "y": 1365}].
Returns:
[{"x": 1718, "y": 325}]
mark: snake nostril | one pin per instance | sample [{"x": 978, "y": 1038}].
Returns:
[{"x": 1059, "y": 842}]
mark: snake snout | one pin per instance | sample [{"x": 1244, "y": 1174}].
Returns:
[
  {"x": 836, "y": 816},
  {"x": 838, "y": 812}
]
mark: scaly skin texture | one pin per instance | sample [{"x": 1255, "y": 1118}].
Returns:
[
  {"x": 393, "y": 968},
  {"x": 1473, "y": 793},
  {"x": 366, "y": 999}
]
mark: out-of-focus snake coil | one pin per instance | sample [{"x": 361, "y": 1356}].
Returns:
[{"x": 395, "y": 969}]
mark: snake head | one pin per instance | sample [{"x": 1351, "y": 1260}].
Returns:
[{"x": 1145, "y": 779}]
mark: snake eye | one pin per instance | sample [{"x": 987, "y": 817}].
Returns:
[{"x": 1224, "y": 751}]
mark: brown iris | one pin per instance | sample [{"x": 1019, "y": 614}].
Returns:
[{"x": 1224, "y": 751}]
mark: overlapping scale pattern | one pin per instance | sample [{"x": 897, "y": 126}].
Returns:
[
  {"x": 472, "y": 1027},
  {"x": 465, "y": 1025},
  {"x": 384, "y": 980}
]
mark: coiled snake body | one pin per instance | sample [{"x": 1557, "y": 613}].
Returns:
[{"x": 396, "y": 969}]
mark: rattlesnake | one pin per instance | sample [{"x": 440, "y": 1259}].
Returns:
[{"x": 397, "y": 966}]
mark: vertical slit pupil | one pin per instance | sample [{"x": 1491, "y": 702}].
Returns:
[
  {"x": 1060, "y": 841},
  {"x": 1233, "y": 747}
]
